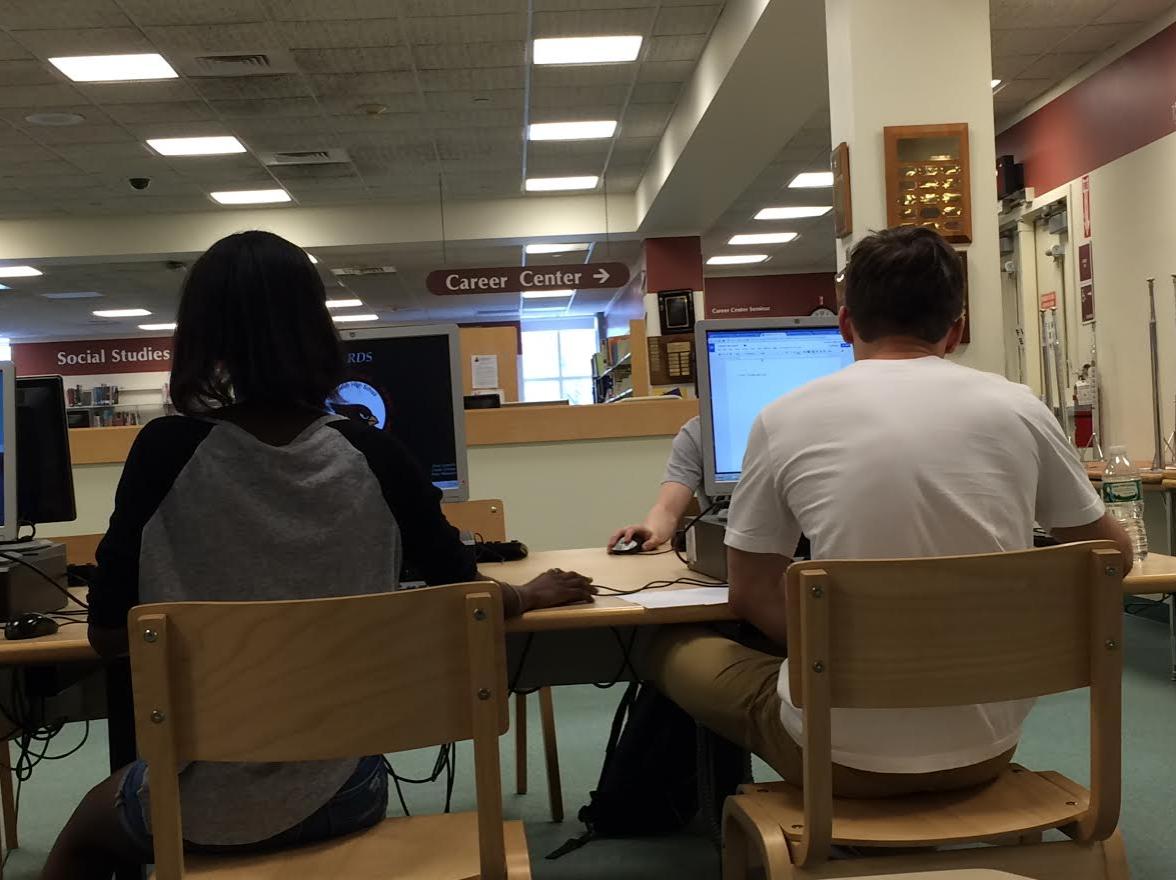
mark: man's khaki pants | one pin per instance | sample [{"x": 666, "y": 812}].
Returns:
[{"x": 731, "y": 689}]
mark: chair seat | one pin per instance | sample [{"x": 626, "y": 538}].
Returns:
[
  {"x": 1017, "y": 802},
  {"x": 434, "y": 847}
]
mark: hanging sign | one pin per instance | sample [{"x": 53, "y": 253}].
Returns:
[
  {"x": 520, "y": 279},
  {"x": 94, "y": 357}
]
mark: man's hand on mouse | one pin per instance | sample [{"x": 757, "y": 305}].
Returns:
[
  {"x": 648, "y": 539},
  {"x": 556, "y": 587}
]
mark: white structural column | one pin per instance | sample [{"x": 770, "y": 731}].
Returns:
[{"x": 920, "y": 62}]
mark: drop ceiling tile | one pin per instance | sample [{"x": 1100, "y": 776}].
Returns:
[
  {"x": 39, "y": 96},
  {"x": 549, "y": 97},
  {"x": 561, "y": 76},
  {"x": 1056, "y": 65},
  {"x": 1028, "y": 40},
  {"x": 448, "y": 56},
  {"x": 656, "y": 92},
  {"x": 26, "y": 73},
  {"x": 60, "y": 14},
  {"x": 343, "y": 84},
  {"x": 687, "y": 19},
  {"x": 341, "y": 196},
  {"x": 260, "y": 108},
  {"x": 1042, "y": 13},
  {"x": 1023, "y": 90},
  {"x": 353, "y": 60},
  {"x": 16, "y": 115},
  {"x": 510, "y": 27},
  {"x": 213, "y": 38},
  {"x": 509, "y": 116},
  {"x": 204, "y": 128},
  {"x": 634, "y": 150},
  {"x": 594, "y": 21},
  {"x": 294, "y": 143},
  {"x": 49, "y": 168},
  {"x": 339, "y": 34},
  {"x": 158, "y": 92},
  {"x": 355, "y": 109},
  {"x": 180, "y": 204},
  {"x": 417, "y": 8},
  {"x": 1008, "y": 67},
  {"x": 165, "y": 111},
  {"x": 578, "y": 113},
  {"x": 326, "y": 10},
  {"x": 228, "y": 88},
  {"x": 548, "y": 152},
  {"x": 686, "y": 47},
  {"x": 646, "y": 120},
  {"x": 485, "y": 100},
  {"x": 91, "y": 41},
  {"x": 10, "y": 49},
  {"x": 1097, "y": 37},
  {"x": 83, "y": 134},
  {"x": 153, "y": 13},
  {"x": 248, "y": 128},
  {"x": 393, "y": 156},
  {"x": 12, "y": 155},
  {"x": 359, "y": 125},
  {"x": 222, "y": 169},
  {"x": 473, "y": 79},
  {"x": 1135, "y": 11},
  {"x": 666, "y": 71}
]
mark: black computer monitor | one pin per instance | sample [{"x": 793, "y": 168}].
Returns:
[
  {"x": 407, "y": 381},
  {"x": 44, "y": 472}
]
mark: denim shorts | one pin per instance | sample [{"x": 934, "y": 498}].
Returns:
[{"x": 360, "y": 803}]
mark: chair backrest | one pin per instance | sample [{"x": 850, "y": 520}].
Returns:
[
  {"x": 317, "y": 679},
  {"x": 485, "y": 518},
  {"x": 913, "y": 633}
]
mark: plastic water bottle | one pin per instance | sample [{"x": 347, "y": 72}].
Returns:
[{"x": 1123, "y": 494}]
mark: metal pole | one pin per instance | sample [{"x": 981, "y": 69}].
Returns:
[{"x": 1157, "y": 418}]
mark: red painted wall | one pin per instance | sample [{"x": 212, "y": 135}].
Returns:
[
  {"x": 1126, "y": 105},
  {"x": 673, "y": 263},
  {"x": 769, "y": 296}
]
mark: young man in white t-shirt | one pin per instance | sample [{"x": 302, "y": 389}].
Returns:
[{"x": 901, "y": 454}]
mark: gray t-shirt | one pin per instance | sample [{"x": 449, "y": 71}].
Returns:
[{"x": 685, "y": 464}]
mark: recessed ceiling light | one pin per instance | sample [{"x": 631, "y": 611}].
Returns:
[
  {"x": 763, "y": 238},
  {"x": 812, "y": 180},
  {"x": 586, "y": 50},
  {"x": 18, "y": 272},
  {"x": 572, "y": 131},
  {"x": 121, "y": 313},
  {"x": 554, "y": 184},
  {"x": 792, "y": 212},
  {"x": 350, "y": 319},
  {"x": 736, "y": 259},
  {"x": 196, "y": 146},
  {"x": 78, "y": 294},
  {"x": 546, "y": 294},
  {"x": 251, "y": 196},
  {"x": 55, "y": 119},
  {"x": 556, "y": 248},
  {"x": 995, "y": 83},
  {"x": 157, "y": 326},
  {"x": 114, "y": 68},
  {"x": 344, "y": 303}
]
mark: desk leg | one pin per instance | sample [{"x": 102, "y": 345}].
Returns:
[
  {"x": 1172, "y": 631},
  {"x": 120, "y": 734}
]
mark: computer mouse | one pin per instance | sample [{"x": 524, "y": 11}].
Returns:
[
  {"x": 29, "y": 626},
  {"x": 621, "y": 548}
]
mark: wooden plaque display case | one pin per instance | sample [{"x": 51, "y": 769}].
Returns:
[{"x": 927, "y": 178}]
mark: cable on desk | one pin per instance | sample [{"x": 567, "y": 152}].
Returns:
[
  {"x": 13, "y": 557},
  {"x": 652, "y": 585}
]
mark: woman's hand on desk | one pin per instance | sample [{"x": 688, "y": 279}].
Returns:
[{"x": 556, "y": 587}]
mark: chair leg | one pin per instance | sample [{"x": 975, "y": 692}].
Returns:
[
  {"x": 1116, "y": 857},
  {"x": 746, "y": 825},
  {"x": 7, "y": 801},
  {"x": 551, "y": 752},
  {"x": 520, "y": 743}
]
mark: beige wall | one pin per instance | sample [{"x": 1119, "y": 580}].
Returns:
[{"x": 557, "y": 495}]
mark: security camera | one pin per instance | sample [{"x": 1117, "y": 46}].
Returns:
[{"x": 139, "y": 183}]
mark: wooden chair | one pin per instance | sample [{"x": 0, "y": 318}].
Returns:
[
  {"x": 488, "y": 520},
  {"x": 329, "y": 678},
  {"x": 940, "y": 632}
]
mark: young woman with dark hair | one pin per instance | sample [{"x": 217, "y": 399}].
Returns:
[{"x": 257, "y": 492}]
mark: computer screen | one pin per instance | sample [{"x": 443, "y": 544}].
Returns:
[
  {"x": 44, "y": 481},
  {"x": 744, "y": 366},
  {"x": 407, "y": 380},
  {"x": 9, "y": 522}
]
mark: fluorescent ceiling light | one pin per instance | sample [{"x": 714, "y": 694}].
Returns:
[
  {"x": 546, "y": 294},
  {"x": 196, "y": 146},
  {"x": 157, "y": 326},
  {"x": 251, "y": 196},
  {"x": 18, "y": 272},
  {"x": 763, "y": 238},
  {"x": 121, "y": 313},
  {"x": 553, "y": 184},
  {"x": 114, "y": 68},
  {"x": 736, "y": 259},
  {"x": 572, "y": 131},
  {"x": 812, "y": 179},
  {"x": 586, "y": 50},
  {"x": 349, "y": 319},
  {"x": 344, "y": 303},
  {"x": 556, "y": 248},
  {"x": 791, "y": 212},
  {"x": 995, "y": 83}
]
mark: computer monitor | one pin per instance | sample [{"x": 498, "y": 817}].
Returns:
[
  {"x": 743, "y": 365},
  {"x": 45, "y": 488},
  {"x": 9, "y": 521},
  {"x": 407, "y": 380}
]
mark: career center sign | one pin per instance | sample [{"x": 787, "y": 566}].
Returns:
[
  {"x": 94, "y": 357},
  {"x": 520, "y": 279}
]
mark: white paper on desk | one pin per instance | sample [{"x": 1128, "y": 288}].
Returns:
[
  {"x": 484, "y": 370},
  {"x": 679, "y": 598}
]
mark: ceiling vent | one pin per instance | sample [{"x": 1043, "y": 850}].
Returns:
[
  {"x": 366, "y": 270},
  {"x": 305, "y": 157},
  {"x": 267, "y": 63}
]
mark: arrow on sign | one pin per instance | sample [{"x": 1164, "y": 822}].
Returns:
[{"x": 601, "y": 276}]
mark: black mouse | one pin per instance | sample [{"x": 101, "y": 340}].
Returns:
[
  {"x": 624, "y": 548},
  {"x": 29, "y": 626}
]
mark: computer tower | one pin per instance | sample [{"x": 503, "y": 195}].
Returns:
[{"x": 23, "y": 590}]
